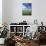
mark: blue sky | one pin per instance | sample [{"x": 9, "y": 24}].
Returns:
[{"x": 27, "y": 5}]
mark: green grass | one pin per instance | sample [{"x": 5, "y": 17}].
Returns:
[{"x": 27, "y": 12}]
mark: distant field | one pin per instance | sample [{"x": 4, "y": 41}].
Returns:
[{"x": 27, "y": 12}]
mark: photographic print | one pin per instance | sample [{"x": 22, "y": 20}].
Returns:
[{"x": 26, "y": 9}]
